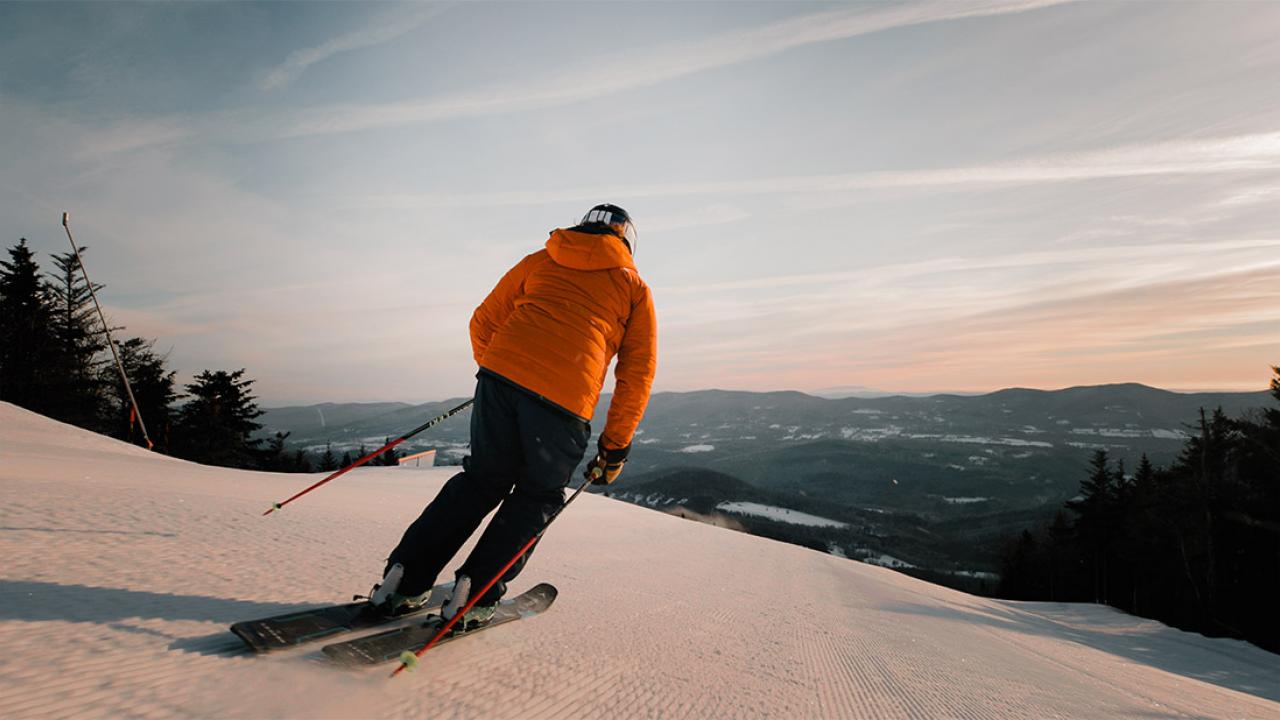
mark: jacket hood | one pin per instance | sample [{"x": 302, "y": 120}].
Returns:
[{"x": 588, "y": 251}]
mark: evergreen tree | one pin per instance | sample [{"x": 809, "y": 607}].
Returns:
[
  {"x": 390, "y": 458},
  {"x": 301, "y": 463},
  {"x": 216, "y": 425},
  {"x": 75, "y": 387},
  {"x": 153, "y": 387},
  {"x": 1199, "y": 480},
  {"x": 1022, "y": 569},
  {"x": 1196, "y": 545},
  {"x": 328, "y": 461},
  {"x": 1138, "y": 545},
  {"x": 26, "y": 331},
  {"x": 274, "y": 458},
  {"x": 347, "y": 459},
  {"x": 1095, "y": 526},
  {"x": 1063, "y": 559}
]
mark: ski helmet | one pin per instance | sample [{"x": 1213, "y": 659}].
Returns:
[{"x": 618, "y": 221}]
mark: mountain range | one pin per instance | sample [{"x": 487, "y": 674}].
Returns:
[{"x": 932, "y": 482}]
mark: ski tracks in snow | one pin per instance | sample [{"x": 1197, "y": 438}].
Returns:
[{"x": 123, "y": 570}]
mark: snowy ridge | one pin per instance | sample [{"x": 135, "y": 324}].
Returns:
[
  {"x": 786, "y": 515},
  {"x": 123, "y": 569}
]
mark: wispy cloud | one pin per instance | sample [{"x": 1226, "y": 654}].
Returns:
[
  {"x": 600, "y": 79},
  {"x": 1176, "y": 157},
  {"x": 1164, "y": 258},
  {"x": 1214, "y": 328},
  {"x": 384, "y": 28},
  {"x": 576, "y": 84},
  {"x": 706, "y": 216}
]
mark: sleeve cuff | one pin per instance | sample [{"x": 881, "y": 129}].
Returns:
[{"x": 614, "y": 455}]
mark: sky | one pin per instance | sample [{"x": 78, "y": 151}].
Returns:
[{"x": 910, "y": 196}]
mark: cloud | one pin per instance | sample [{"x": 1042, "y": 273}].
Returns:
[
  {"x": 1251, "y": 196},
  {"x": 385, "y": 28},
  {"x": 706, "y": 216},
  {"x": 1239, "y": 153},
  {"x": 1093, "y": 263},
  {"x": 611, "y": 77},
  {"x": 1214, "y": 329},
  {"x": 589, "y": 81}
]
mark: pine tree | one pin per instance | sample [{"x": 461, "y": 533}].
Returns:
[
  {"x": 1063, "y": 558},
  {"x": 153, "y": 387},
  {"x": 1022, "y": 568},
  {"x": 1141, "y": 534},
  {"x": 1096, "y": 524},
  {"x": 390, "y": 458},
  {"x": 1196, "y": 545},
  {"x": 301, "y": 463},
  {"x": 216, "y": 425},
  {"x": 76, "y": 391},
  {"x": 1254, "y": 522},
  {"x": 274, "y": 459},
  {"x": 26, "y": 331},
  {"x": 1200, "y": 475},
  {"x": 347, "y": 459},
  {"x": 328, "y": 461}
]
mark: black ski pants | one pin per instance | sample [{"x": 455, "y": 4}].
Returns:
[{"x": 523, "y": 452}]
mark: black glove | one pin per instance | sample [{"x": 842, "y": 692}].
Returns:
[{"x": 606, "y": 466}]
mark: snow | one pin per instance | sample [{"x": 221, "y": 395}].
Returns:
[
  {"x": 972, "y": 440},
  {"x": 870, "y": 434},
  {"x": 697, "y": 448},
  {"x": 965, "y": 500},
  {"x": 1111, "y": 432},
  {"x": 780, "y": 514},
  {"x": 976, "y": 574},
  {"x": 122, "y": 570},
  {"x": 1095, "y": 446},
  {"x": 888, "y": 561}
]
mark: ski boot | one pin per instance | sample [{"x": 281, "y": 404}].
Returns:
[
  {"x": 389, "y": 603},
  {"x": 477, "y": 616}
]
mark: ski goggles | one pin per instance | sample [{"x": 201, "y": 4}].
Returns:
[{"x": 619, "y": 222}]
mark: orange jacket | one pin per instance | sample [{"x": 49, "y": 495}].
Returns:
[{"x": 556, "y": 320}]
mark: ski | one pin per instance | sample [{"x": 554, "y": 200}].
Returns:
[
  {"x": 298, "y": 628},
  {"x": 392, "y": 644}
]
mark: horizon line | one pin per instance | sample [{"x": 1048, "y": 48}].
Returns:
[{"x": 860, "y": 393}]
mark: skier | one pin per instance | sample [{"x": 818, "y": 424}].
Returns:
[{"x": 543, "y": 338}]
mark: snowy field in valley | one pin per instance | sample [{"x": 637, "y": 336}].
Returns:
[
  {"x": 122, "y": 570},
  {"x": 779, "y": 514}
]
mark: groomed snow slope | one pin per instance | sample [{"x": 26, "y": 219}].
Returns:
[{"x": 122, "y": 570}]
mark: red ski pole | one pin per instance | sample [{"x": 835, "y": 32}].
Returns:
[
  {"x": 410, "y": 660},
  {"x": 276, "y": 506}
]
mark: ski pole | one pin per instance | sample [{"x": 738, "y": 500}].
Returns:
[
  {"x": 276, "y": 506},
  {"x": 106, "y": 330},
  {"x": 410, "y": 660}
]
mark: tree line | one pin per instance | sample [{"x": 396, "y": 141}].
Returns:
[
  {"x": 54, "y": 360},
  {"x": 1195, "y": 545}
]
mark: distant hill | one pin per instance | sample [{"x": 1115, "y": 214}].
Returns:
[
  {"x": 316, "y": 419},
  {"x": 697, "y": 489},
  {"x": 944, "y": 454},
  {"x": 349, "y": 426},
  {"x": 935, "y": 480}
]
